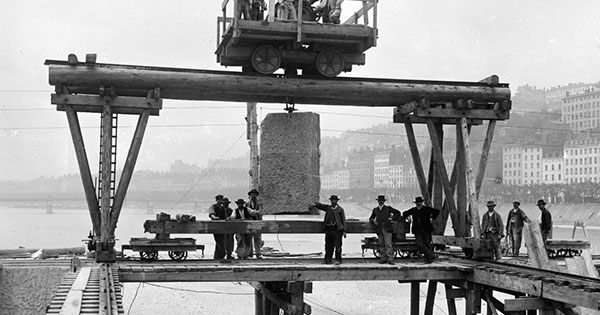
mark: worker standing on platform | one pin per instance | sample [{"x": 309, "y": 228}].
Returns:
[
  {"x": 492, "y": 228},
  {"x": 514, "y": 226},
  {"x": 243, "y": 9},
  {"x": 330, "y": 10},
  {"x": 229, "y": 238},
  {"x": 422, "y": 227},
  {"x": 244, "y": 240},
  {"x": 383, "y": 217},
  {"x": 257, "y": 10},
  {"x": 218, "y": 212},
  {"x": 252, "y": 205},
  {"x": 335, "y": 228},
  {"x": 546, "y": 225},
  {"x": 286, "y": 10}
]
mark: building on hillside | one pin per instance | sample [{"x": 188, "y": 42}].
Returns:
[
  {"x": 557, "y": 94},
  {"x": 522, "y": 165},
  {"x": 581, "y": 160},
  {"x": 582, "y": 111},
  {"x": 529, "y": 98},
  {"x": 361, "y": 168},
  {"x": 381, "y": 168},
  {"x": 553, "y": 169},
  {"x": 336, "y": 180}
]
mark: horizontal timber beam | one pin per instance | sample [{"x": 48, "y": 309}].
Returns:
[
  {"x": 532, "y": 303},
  {"x": 190, "y": 84},
  {"x": 95, "y": 103},
  {"x": 252, "y": 226}
]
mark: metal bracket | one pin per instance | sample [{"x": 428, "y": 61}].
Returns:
[{"x": 289, "y": 106}]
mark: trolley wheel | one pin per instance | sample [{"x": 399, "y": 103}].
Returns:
[
  {"x": 178, "y": 255},
  {"x": 329, "y": 63},
  {"x": 148, "y": 256},
  {"x": 376, "y": 253},
  {"x": 265, "y": 59}
]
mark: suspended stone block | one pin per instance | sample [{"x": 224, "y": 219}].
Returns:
[{"x": 289, "y": 162}]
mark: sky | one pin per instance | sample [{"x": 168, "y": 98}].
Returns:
[{"x": 543, "y": 43}]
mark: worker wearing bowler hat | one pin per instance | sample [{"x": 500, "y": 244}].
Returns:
[
  {"x": 546, "y": 225},
  {"x": 492, "y": 228},
  {"x": 253, "y": 205},
  {"x": 382, "y": 217},
  {"x": 244, "y": 240},
  {"x": 514, "y": 226},
  {"x": 334, "y": 225},
  {"x": 218, "y": 211},
  {"x": 422, "y": 228}
]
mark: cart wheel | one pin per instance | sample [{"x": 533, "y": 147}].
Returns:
[
  {"x": 177, "y": 255},
  {"x": 148, "y": 256},
  {"x": 265, "y": 59},
  {"x": 376, "y": 253},
  {"x": 329, "y": 63}
]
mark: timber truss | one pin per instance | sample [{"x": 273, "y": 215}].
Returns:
[{"x": 138, "y": 90}]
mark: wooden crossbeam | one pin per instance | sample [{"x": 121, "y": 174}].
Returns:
[
  {"x": 430, "y": 300},
  {"x": 95, "y": 103},
  {"x": 485, "y": 114},
  {"x": 532, "y": 303},
  {"x": 253, "y": 226},
  {"x": 288, "y": 307},
  {"x": 414, "y": 151},
  {"x": 423, "y": 120}
]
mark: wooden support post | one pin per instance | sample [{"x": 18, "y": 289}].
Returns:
[
  {"x": 487, "y": 143},
  {"x": 277, "y": 296},
  {"x": 473, "y": 299},
  {"x": 414, "y": 150},
  {"x": 296, "y": 291},
  {"x": 414, "y": 297},
  {"x": 438, "y": 197},
  {"x": 430, "y": 300},
  {"x": 128, "y": 168},
  {"x": 442, "y": 220},
  {"x": 105, "y": 198},
  {"x": 431, "y": 178},
  {"x": 259, "y": 303},
  {"x": 474, "y": 212},
  {"x": 491, "y": 308},
  {"x": 271, "y": 15},
  {"x": 450, "y": 301},
  {"x": 439, "y": 161},
  {"x": 252, "y": 136},
  {"x": 84, "y": 168},
  {"x": 461, "y": 181}
]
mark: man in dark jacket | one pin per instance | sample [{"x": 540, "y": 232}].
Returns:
[
  {"x": 546, "y": 225},
  {"x": 253, "y": 204},
  {"x": 492, "y": 228},
  {"x": 422, "y": 227},
  {"x": 335, "y": 228},
  {"x": 514, "y": 226},
  {"x": 218, "y": 212},
  {"x": 383, "y": 217}
]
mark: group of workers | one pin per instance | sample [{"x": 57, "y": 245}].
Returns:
[
  {"x": 382, "y": 218},
  {"x": 329, "y": 10},
  {"x": 249, "y": 244},
  {"x": 492, "y": 228}
]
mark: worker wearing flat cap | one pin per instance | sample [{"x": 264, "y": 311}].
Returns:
[
  {"x": 546, "y": 225},
  {"x": 514, "y": 226},
  {"x": 492, "y": 228},
  {"x": 334, "y": 224}
]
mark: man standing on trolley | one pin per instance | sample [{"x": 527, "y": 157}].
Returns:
[{"x": 422, "y": 227}]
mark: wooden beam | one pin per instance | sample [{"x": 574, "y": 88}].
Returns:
[
  {"x": 438, "y": 197},
  {"x": 474, "y": 212},
  {"x": 450, "y": 299},
  {"x": 485, "y": 114},
  {"x": 128, "y": 169},
  {"x": 473, "y": 300},
  {"x": 362, "y": 12},
  {"x": 461, "y": 181},
  {"x": 105, "y": 178},
  {"x": 84, "y": 169},
  {"x": 95, "y": 103},
  {"x": 414, "y": 151},
  {"x": 439, "y": 160},
  {"x": 252, "y": 136},
  {"x": 532, "y": 303},
  {"x": 420, "y": 120},
  {"x": 490, "y": 303},
  {"x": 485, "y": 151},
  {"x": 288, "y": 307},
  {"x": 414, "y": 297},
  {"x": 430, "y": 300},
  {"x": 191, "y": 84},
  {"x": 254, "y": 226}
]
